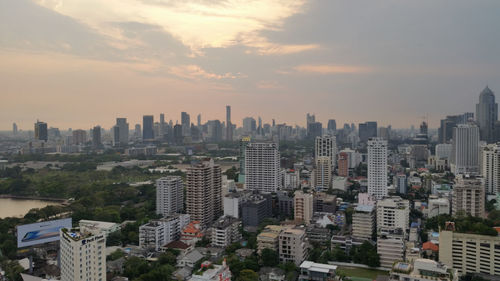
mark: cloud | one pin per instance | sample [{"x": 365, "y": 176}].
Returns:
[
  {"x": 196, "y": 72},
  {"x": 267, "y": 84},
  {"x": 327, "y": 69}
]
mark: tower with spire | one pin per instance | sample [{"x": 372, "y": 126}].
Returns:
[{"x": 487, "y": 115}]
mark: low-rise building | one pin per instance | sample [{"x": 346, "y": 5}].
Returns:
[
  {"x": 157, "y": 233},
  {"x": 316, "y": 233},
  {"x": 323, "y": 202},
  {"x": 269, "y": 238},
  {"x": 98, "y": 227},
  {"x": 363, "y": 222},
  {"x": 293, "y": 246},
  {"x": 192, "y": 233},
  {"x": 212, "y": 272},
  {"x": 257, "y": 208},
  {"x": 311, "y": 271},
  {"x": 225, "y": 232},
  {"x": 391, "y": 247},
  {"x": 345, "y": 242},
  {"x": 438, "y": 206},
  {"x": 422, "y": 270}
]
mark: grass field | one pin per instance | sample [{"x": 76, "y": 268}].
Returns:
[{"x": 369, "y": 274}]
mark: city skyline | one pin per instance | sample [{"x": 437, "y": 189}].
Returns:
[{"x": 395, "y": 63}]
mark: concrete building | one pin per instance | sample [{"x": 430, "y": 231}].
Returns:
[
  {"x": 212, "y": 272},
  {"x": 257, "y": 208},
  {"x": 324, "y": 203},
  {"x": 367, "y": 130},
  {"x": 225, "y": 232},
  {"x": 465, "y": 155},
  {"x": 157, "y": 233},
  {"x": 490, "y": 167},
  {"x": 487, "y": 115},
  {"x": 204, "y": 192},
  {"x": 83, "y": 256},
  {"x": 444, "y": 150},
  {"x": 303, "y": 207},
  {"x": 262, "y": 167},
  {"x": 169, "y": 195},
  {"x": 96, "y": 137},
  {"x": 322, "y": 173},
  {"x": 423, "y": 270},
  {"x": 186, "y": 124},
  {"x": 192, "y": 233},
  {"x": 468, "y": 196},
  {"x": 393, "y": 213},
  {"x": 391, "y": 247},
  {"x": 293, "y": 246},
  {"x": 229, "y": 125},
  {"x": 470, "y": 253},
  {"x": 401, "y": 183},
  {"x": 437, "y": 206},
  {"x": 148, "y": 127},
  {"x": 311, "y": 271},
  {"x": 343, "y": 164},
  {"x": 98, "y": 227},
  {"x": 363, "y": 222},
  {"x": 233, "y": 203},
  {"x": 285, "y": 204},
  {"x": 120, "y": 131},
  {"x": 326, "y": 146},
  {"x": 269, "y": 238},
  {"x": 79, "y": 137},
  {"x": 377, "y": 167},
  {"x": 41, "y": 132}
]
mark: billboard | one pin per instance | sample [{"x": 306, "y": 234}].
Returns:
[{"x": 40, "y": 232}]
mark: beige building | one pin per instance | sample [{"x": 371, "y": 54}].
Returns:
[
  {"x": 269, "y": 238},
  {"x": 393, "y": 213},
  {"x": 293, "y": 246},
  {"x": 391, "y": 247},
  {"x": 322, "y": 173},
  {"x": 225, "y": 232},
  {"x": 470, "y": 253},
  {"x": 468, "y": 196},
  {"x": 303, "y": 207},
  {"x": 204, "y": 192},
  {"x": 363, "y": 222}
]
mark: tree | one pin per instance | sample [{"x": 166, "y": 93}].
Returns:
[
  {"x": 269, "y": 257},
  {"x": 135, "y": 267},
  {"x": 248, "y": 275},
  {"x": 340, "y": 255}
]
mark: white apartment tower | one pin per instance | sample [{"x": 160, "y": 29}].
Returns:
[
  {"x": 490, "y": 167},
  {"x": 169, "y": 195},
  {"x": 326, "y": 146},
  {"x": 468, "y": 196},
  {"x": 393, "y": 213},
  {"x": 262, "y": 167},
  {"x": 465, "y": 155},
  {"x": 377, "y": 167},
  {"x": 323, "y": 170},
  {"x": 83, "y": 256}
]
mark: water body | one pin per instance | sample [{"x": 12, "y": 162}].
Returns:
[{"x": 20, "y": 207}]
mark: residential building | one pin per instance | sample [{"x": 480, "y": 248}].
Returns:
[
  {"x": 317, "y": 233},
  {"x": 377, "y": 167},
  {"x": 82, "y": 256},
  {"x": 225, "y": 232},
  {"x": 192, "y": 233},
  {"x": 401, "y": 183},
  {"x": 269, "y": 238},
  {"x": 303, "y": 207},
  {"x": 490, "y": 167},
  {"x": 487, "y": 115},
  {"x": 96, "y": 137},
  {"x": 322, "y": 173},
  {"x": 169, "y": 195},
  {"x": 422, "y": 270},
  {"x": 391, "y": 247},
  {"x": 204, "y": 192},
  {"x": 257, "y": 208},
  {"x": 148, "y": 128},
  {"x": 343, "y": 164},
  {"x": 393, "y": 213},
  {"x": 293, "y": 246},
  {"x": 465, "y": 155},
  {"x": 212, "y": 272},
  {"x": 285, "y": 203},
  {"x": 262, "y": 167},
  {"x": 438, "y": 206},
  {"x": 41, "y": 131},
  {"x": 468, "y": 196},
  {"x": 363, "y": 222},
  {"x": 244, "y": 141},
  {"x": 98, "y": 227},
  {"x": 470, "y": 253},
  {"x": 157, "y": 233},
  {"x": 311, "y": 271},
  {"x": 120, "y": 130},
  {"x": 323, "y": 202},
  {"x": 233, "y": 201},
  {"x": 229, "y": 125},
  {"x": 326, "y": 146}
]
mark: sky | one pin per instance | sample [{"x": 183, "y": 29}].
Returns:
[{"x": 80, "y": 63}]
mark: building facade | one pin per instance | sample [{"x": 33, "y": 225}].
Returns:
[
  {"x": 169, "y": 195},
  {"x": 262, "y": 167},
  {"x": 377, "y": 167}
]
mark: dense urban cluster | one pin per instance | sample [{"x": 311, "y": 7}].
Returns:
[{"x": 264, "y": 201}]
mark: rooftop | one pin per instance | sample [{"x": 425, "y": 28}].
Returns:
[{"x": 318, "y": 267}]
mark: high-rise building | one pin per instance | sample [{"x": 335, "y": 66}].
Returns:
[
  {"x": 377, "y": 167},
  {"x": 303, "y": 207},
  {"x": 465, "y": 155},
  {"x": 41, "y": 131},
  {"x": 121, "y": 131},
  {"x": 332, "y": 126},
  {"x": 79, "y": 137},
  {"x": 229, "y": 125},
  {"x": 326, "y": 146},
  {"x": 393, "y": 213},
  {"x": 249, "y": 125},
  {"x": 198, "y": 120},
  {"x": 14, "y": 129},
  {"x": 262, "y": 167},
  {"x": 204, "y": 192},
  {"x": 363, "y": 222},
  {"x": 445, "y": 133},
  {"x": 147, "y": 127},
  {"x": 490, "y": 167},
  {"x": 83, "y": 256},
  {"x": 243, "y": 146},
  {"x": 343, "y": 164},
  {"x": 157, "y": 233},
  {"x": 293, "y": 246},
  {"x": 487, "y": 115},
  {"x": 468, "y": 196},
  {"x": 96, "y": 137},
  {"x": 401, "y": 183},
  {"x": 214, "y": 131},
  {"x": 169, "y": 195},
  {"x": 322, "y": 179},
  {"x": 314, "y": 130},
  {"x": 186, "y": 124},
  {"x": 367, "y": 130}
]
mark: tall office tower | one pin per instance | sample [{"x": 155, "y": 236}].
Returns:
[
  {"x": 83, "y": 256},
  {"x": 326, "y": 146},
  {"x": 186, "y": 124},
  {"x": 198, "y": 119},
  {"x": 303, "y": 207},
  {"x": 41, "y": 131},
  {"x": 147, "y": 127},
  {"x": 487, "y": 115},
  {"x": 367, "y": 130},
  {"x": 343, "y": 164},
  {"x": 377, "y": 167},
  {"x": 310, "y": 118},
  {"x": 332, "y": 126},
  {"x": 259, "y": 128},
  {"x": 162, "y": 132},
  {"x": 249, "y": 125},
  {"x": 468, "y": 196},
  {"x": 322, "y": 179},
  {"x": 243, "y": 146},
  {"x": 465, "y": 155},
  {"x": 204, "y": 192},
  {"x": 96, "y": 137},
  {"x": 79, "y": 137},
  {"x": 178, "y": 138},
  {"x": 445, "y": 133},
  {"x": 444, "y": 150},
  {"x": 490, "y": 167},
  {"x": 262, "y": 167},
  {"x": 214, "y": 131},
  {"x": 274, "y": 123},
  {"x": 122, "y": 138},
  {"x": 14, "y": 129},
  {"x": 169, "y": 195},
  {"x": 229, "y": 125},
  {"x": 393, "y": 213},
  {"x": 314, "y": 129}
]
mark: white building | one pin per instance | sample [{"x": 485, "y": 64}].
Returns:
[
  {"x": 317, "y": 271},
  {"x": 377, "y": 167},
  {"x": 169, "y": 195},
  {"x": 225, "y": 232},
  {"x": 326, "y": 146},
  {"x": 212, "y": 272},
  {"x": 233, "y": 201},
  {"x": 157, "y": 233},
  {"x": 490, "y": 167},
  {"x": 444, "y": 150},
  {"x": 293, "y": 246},
  {"x": 393, "y": 213},
  {"x": 262, "y": 167},
  {"x": 465, "y": 156},
  {"x": 339, "y": 183},
  {"x": 98, "y": 227},
  {"x": 291, "y": 179},
  {"x": 83, "y": 256},
  {"x": 391, "y": 247}
]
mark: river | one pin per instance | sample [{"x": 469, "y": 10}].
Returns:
[{"x": 20, "y": 207}]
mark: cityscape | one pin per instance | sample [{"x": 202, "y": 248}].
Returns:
[{"x": 249, "y": 141}]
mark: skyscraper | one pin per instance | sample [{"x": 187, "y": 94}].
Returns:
[
  {"x": 169, "y": 195},
  {"x": 323, "y": 170},
  {"x": 41, "y": 131},
  {"x": 249, "y": 125},
  {"x": 121, "y": 132},
  {"x": 487, "y": 115},
  {"x": 367, "y": 130},
  {"x": 147, "y": 127},
  {"x": 262, "y": 167},
  {"x": 465, "y": 155},
  {"x": 204, "y": 192},
  {"x": 243, "y": 146},
  {"x": 186, "y": 124},
  {"x": 490, "y": 167},
  {"x": 326, "y": 146},
  {"x": 314, "y": 129},
  {"x": 332, "y": 126},
  {"x": 79, "y": 137},
  {"x": 377, "y": 167},
  {"x": 214, "y": 130},
  {"x": 96, "y": 137},
  {"x": 14, "y": 129},
  {"x": 468, "y": 196},
  {"x": 229, "y": 125},
  {"x": 199, "y": 120}
]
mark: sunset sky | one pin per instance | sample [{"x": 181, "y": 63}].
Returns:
[{"x": 80, "y": 63}]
